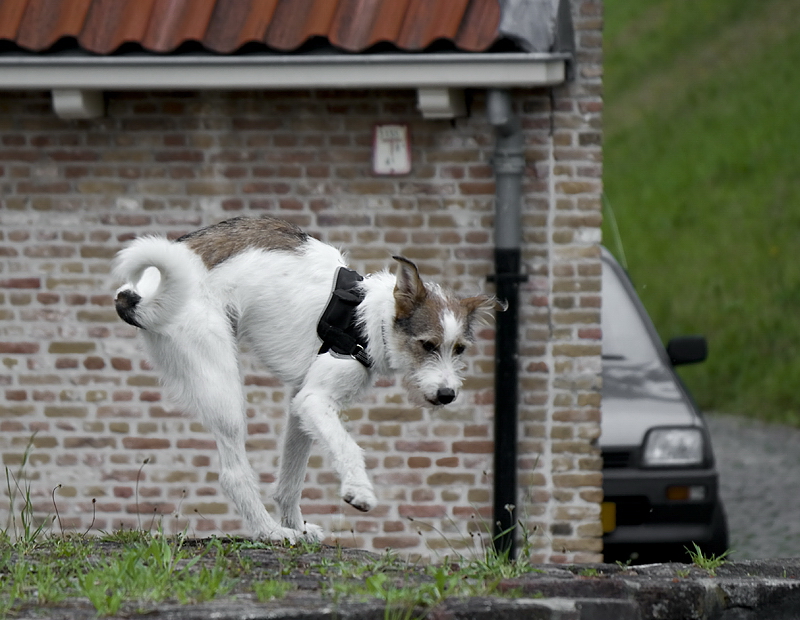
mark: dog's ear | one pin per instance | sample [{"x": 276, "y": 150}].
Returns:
[
  {"x": 409, "y": 291},
  {"x": 482, "y": 306}
]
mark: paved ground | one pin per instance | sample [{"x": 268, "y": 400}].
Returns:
[{"x": 759, "y": 468}]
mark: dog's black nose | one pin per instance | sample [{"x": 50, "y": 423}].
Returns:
[{"x": 445, "y": 396}]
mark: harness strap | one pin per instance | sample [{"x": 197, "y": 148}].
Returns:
[{"x": 337, "y": 326}]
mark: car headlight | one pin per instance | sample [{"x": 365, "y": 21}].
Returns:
[{"x": 673, "y": 447}]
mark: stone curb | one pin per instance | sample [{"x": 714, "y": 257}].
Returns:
[
  {"x": 750, "y": 590},
  {"x": 738, "y": 591}
]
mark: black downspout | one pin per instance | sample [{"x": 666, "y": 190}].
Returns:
[{"x": 509, "y": 164}]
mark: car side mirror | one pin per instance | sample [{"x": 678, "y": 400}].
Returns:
[{"x": 687, "y": 350}]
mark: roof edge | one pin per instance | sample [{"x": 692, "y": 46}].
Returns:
[{"x": 268, "y": 71}]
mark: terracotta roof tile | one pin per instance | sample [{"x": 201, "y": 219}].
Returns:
[
  {"x": 297, "y": 21},
  {"x": 45, "y": 22},
  {"x": 360, "y": 24},
  {"x": 173, "y": 22},
  {"x": 112, "y": 23},
  {"x": 428, "y": 20},
  {"x": 236, "y": 24},
  {"x": 479, "y": 27},
  {"x": 10, "y": 17},
  {"x": 224, "y": 26}
]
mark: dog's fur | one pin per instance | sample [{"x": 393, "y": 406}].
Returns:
[{"x": 265, "y": 282}]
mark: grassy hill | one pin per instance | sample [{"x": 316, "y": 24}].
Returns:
[{"x": 702, "y": 174}]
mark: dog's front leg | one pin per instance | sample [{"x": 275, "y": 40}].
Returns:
[
  {"x": 332, "y": 383},
  {"x": 294, "y": 459}
]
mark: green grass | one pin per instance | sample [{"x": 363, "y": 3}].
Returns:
[
  {"x": 701, "y": 170},
  {"x": 150, "y": 569},
  {"x": 71, "y": 566},
  {"x": 133, "y": 571},
  {"x": 709, "y": 563}
]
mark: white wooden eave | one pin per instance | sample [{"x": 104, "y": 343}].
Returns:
[{"x": 77, "y": 80}]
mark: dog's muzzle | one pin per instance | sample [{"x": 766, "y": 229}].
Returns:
[
  {"x": 125, "y": 304},
  {"x": 445, "y": 396}
]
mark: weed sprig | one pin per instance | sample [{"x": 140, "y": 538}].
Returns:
[{"x": 709, "y": 563}]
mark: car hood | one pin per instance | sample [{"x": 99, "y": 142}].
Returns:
[{"x": 636, "y": 398}]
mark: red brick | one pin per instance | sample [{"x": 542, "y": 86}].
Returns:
[
  {"x": 446, "y": 478},
  {"x": 476, "y": 430},
  {"x": 420, "y": 446},
  {"x": 28, "y": 283},
  {"x": 19, "y": 348},
  {"x": 196, "y": 444},
  {"x": 94, "y": 363},
  {"x": 474, "y": 447},
  {"x": 418, "y": 462},
  {"x": 89, "y": 442},
  {"x": 157, "y": 508},
  {"x": 395, "y": 542},
  {"x": 421, "y": 512},
  {"x": 423, "y": 495},
  {"x": 121, "y": 363},
  {"x": 590, "y": 333},
  {"x": 261, "y": 381},
  {"x": 145, "y": 443},
  {"x": 469, "y": 188}
]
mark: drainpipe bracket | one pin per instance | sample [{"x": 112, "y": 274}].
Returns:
[{"x": 510, "y": 162}]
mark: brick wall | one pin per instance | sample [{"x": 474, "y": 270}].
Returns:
[{"x": 109, "y": 448}]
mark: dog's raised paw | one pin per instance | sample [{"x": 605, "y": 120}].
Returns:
[{"x": 362, "y": 499}]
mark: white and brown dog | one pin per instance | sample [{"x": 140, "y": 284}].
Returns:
[{"x": 319, "y": 327}]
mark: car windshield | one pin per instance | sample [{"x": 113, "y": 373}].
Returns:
[{"x": 625, "y": 336}]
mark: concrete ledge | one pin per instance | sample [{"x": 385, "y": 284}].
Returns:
[
  {"x": 739, "y": 591},
  {"x": 751, "y": 590}
]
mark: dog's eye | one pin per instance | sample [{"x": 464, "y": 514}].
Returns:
[
  {"x": 429, "y": 346},
  {"x": 459, "y": 349}
]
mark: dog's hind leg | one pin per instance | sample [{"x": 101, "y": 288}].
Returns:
[
  {"x": 239, "y": 481},
  {"x": 331, "y": 384},
  {"x": 224, "y": 417},
  {"x": 199, "y": 365},
  {"x": 294, "y": 459}
]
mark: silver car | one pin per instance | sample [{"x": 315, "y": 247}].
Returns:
[{"x": 659, "y": 477}]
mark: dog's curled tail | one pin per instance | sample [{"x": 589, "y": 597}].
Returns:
[{"x": 159, "y": 276}]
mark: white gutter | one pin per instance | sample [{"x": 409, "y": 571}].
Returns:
[
  {"x": 265, "y": 71},
  {"x": 77, "y": 79}
]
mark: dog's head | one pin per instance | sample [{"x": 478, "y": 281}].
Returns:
[{"x": 432, "y": 329}]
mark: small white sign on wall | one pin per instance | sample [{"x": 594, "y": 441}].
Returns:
[{"x": 391, "y": 150}]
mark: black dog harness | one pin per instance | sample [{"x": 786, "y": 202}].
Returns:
[{"x": 337, "y": 327}]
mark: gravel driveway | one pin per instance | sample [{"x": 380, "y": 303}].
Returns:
[{"x": 759, "y": 467}]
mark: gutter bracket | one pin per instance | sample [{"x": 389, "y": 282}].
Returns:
[
  {"x": 74, "y": 103},
  {"x": 441, "y": 102}
]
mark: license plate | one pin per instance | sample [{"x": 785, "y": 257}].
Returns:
[{"x": 608, "y": 516}]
